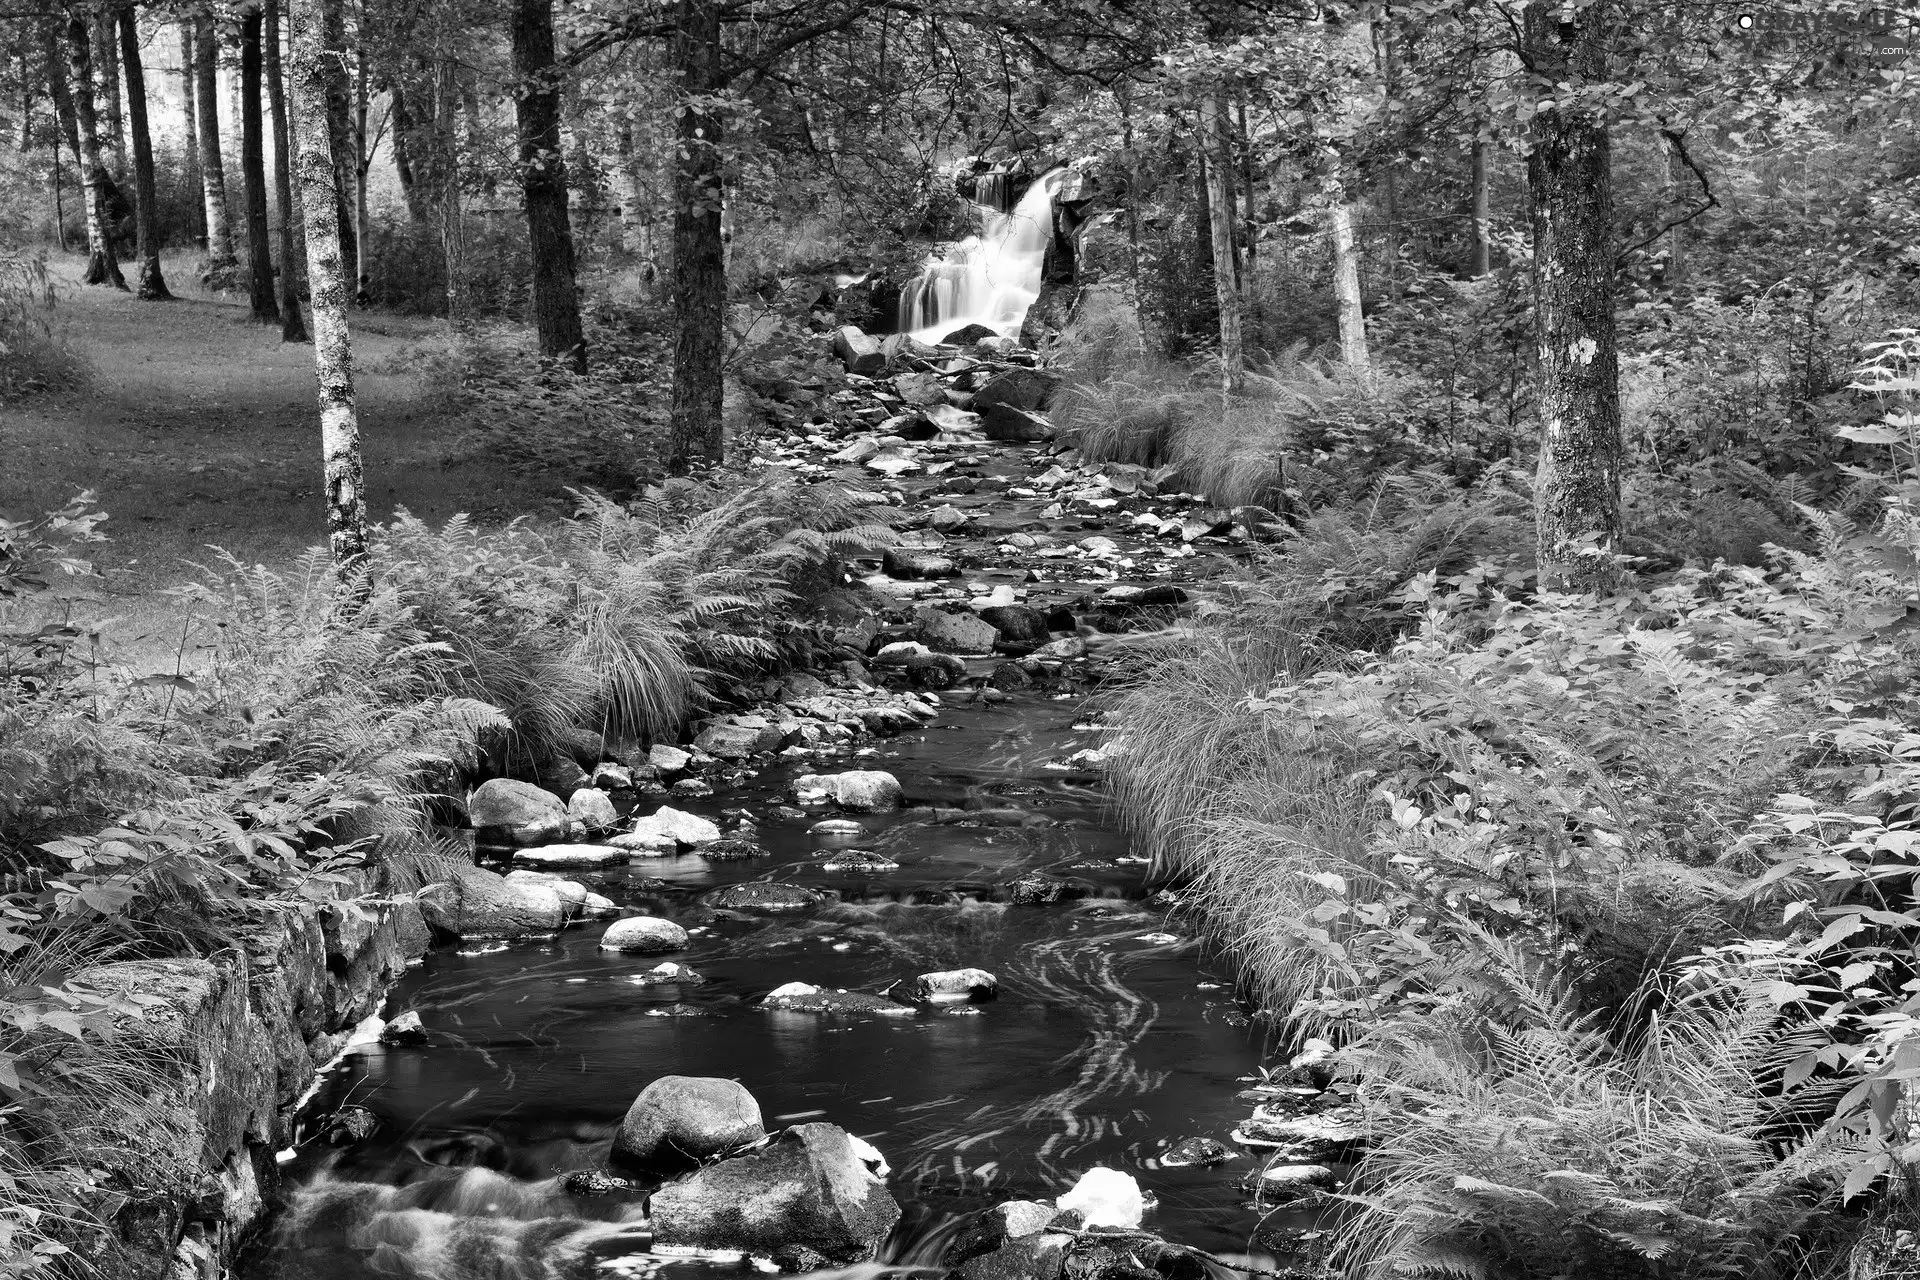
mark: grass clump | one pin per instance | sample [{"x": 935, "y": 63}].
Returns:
[{"x": 34, "y": 357}]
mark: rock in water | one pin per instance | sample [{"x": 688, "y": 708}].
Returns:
[
  {"x": 967, "y": 335},
  {"x": 523, "y": 812},
  {"x": 1018, "y": 388},
  {"x": 955, "y": 632},
  {"x": 804, "y": 997},
  {"x": 594, "y": 811},
  {"x": 569, "y": 857},
  {"x": 404, "y": 1029},
  {"x": 860, "y": 790},
  {"x": 1036, "y": 1257},
  {"x": 1189, "y": 1152},
  {"x": 993, "y": 1228},
  {"x": 572, "y": 892},
  {"x": 643, "y": 935},
  {"x": 1106, "y": 1198},
  {"x": 666, "y": 830},
  {"x": 1009, "y": 425},
  {"x": 954, "y": 985},
  {"x": 1017, "y": 622},
  {"x": 686, "y": 1119},
  {"x": 807, "y": 1188},
  {"x": 761, "y": 896},
  {"x": 475, "y": 903},
  {"x": 860, "y": 352},
  {"x": 666, "y": 760}
]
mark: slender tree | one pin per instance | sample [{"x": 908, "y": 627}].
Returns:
[
  {"x": 196, "y": 191},
  {"x": 253, "y": 172},
  {"x": 1570, "y": 189},
  {"x": 344, "y": 477},
  {"x": 1346, "y": 280},
  {"x": 1217, "y": 156},
  {"x": 106, "y": 74},
  {"x": 152, "y": 285},
  {"x": 222, "y": 265},
  {"x": 292, "y": 328},
  {"x": 52, "y": 40},
  {"x": 543, "y": 178},
  {"x": 340, "y": 125},
  {"x": 103, "y": 267},
  {"x": 1482, "y": 210},
  {"x": 699, "y": 262},
  {"x": 453, "y": 219}
]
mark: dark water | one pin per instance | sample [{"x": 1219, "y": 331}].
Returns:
[{"x": 1110, "y": 1041}]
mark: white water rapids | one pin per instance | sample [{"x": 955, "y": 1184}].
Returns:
[{"x": 989, "y": 279}]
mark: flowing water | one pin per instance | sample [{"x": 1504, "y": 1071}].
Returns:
[
  {"x": 989, "y": 279},
  {"x": 1111, "y": 1038}
]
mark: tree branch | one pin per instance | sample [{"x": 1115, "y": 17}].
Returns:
[{"x": 1711, "y": 201}]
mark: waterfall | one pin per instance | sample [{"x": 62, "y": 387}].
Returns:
[{"x": 991, "y": 278}]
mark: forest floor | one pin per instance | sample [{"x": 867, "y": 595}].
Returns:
[{"x": 197, "y": 430}]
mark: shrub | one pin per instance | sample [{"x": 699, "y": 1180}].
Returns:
[{"x": 34, "y": 355}]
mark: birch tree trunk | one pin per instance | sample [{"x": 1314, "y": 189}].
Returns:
[
  {"x": 106, "y": 72},
  {"x": 543, "y": 179},
  {"x": 102, "y": 266},
  {"x": 1346, "y": 282},
  {"x": 222, "y": 265},
  {"x": 292, "y": 328},
  {"x": 1216, "y": 156},
  {"x": 333, "y": 37},
  {"x": 152, "y": 285},
  {"x": 327, "y": 284},
  {"x": 253, "y": 172},
  {"x": 1482, "y": 223},
  {"x": 196, "y": 192},
  {"x": 695, "y": 428},
  {"x": 1570, "y": 186}
]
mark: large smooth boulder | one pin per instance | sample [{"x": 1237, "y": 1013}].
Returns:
[
  {"x": 592, "y": 808},
  {"x": 856, "y": 790},
  {"x": 758, "y": 895},
  {"x": 524, "y": 813},
  {"x": 643, "y": 935},
  {"x": 952, "y": 985},
  {"x": 686, "y": 1119},
  {"x": 807, "y": 1188},
  {"x": 955, "y": 632},
  {"x": 1018, "y": 388},
  {"x": 1019, "y": 623},
  {"x": 572, "y": 892},
  {"x": 1106, "y": 1198},
  {"x": 1009, "y": 425},
  {"x": 666, "y": 830},
  {"x": 477, "y": 903},
  {"x": 666, "y": 760},
  {"x": 569, "y": 857},
  {"x": 860, "y": 352},
  {"x": 968, "y": 334}
]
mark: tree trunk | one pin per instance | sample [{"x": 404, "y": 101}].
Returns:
[
  {"x": 106, "y": 70},
  {"x": 102, "y": 266},
  {"x": 153, "y": 285},
  {"x": 1482, "y": 223},
  {"x": 362, "y": 164},
  {"x": 1217, "y": 157},
  {"x": 453, "y": 225},
  {"x": 699, "y": 264},
  {"x": 1346, "y": 282},
  {"x": 403, "y": 140},
  {"x": 292, "y": 328},
  {"x": 1243, "y": 143},
  {"x": 52, "y": 39},
  {"x": 1679, "y": 183},
  {"x": 222, "y": 266},
  {"x": 543, "y": 176},
  {"x": 1569, "y": 182},
  {"x": 327, "y": 283},
  {"x": 253, "y": 173},
  {"x": 196, "y": 193},
  {"x": 333, "y": 35}
]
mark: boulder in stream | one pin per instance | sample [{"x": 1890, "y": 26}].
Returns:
[
  {"x": 757, "y": 895},
  {"x": 1019, "y": 388},
  {"x": 804, "y": 997},
  {"x": 643, "y": 935},
  {"x": 593, "y": 810},
  {"x": 474, "y": 903},
  {"x": 680, "y": 1120},
  {"x": 521, "y": 812},
  {"x": 569, "y": 857},
  {"x": 1009, "y": 425},
  {"x": 808, "y": 1187},
  {"x": 955, "y": 632},
  {"x": 858, "y": 790},
  {"x": 1106, "y": 1198},
  {"x": 666, "y": 830},
  {"x": 860, "y": 352},
  {"x": 953, "y": 985}
]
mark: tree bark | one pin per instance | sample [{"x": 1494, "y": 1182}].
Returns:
[
  {"x": 326, "y": 276},
  {"x": 1482, "y": 223},
  {"x": 222, "y": 265},
  {"x": 543, "y": 178},
  {"x": 1346, "y": 282},
  {"x": 152, "y": 284},
  {"x": 106, "y": 70},
  {"x": 253, "y": 173},
  {"x": 1679, "y": 182},
  {"x": 1216, "y": 156},
  {"x": 333, "y": 35},
  {"x": 404, "y": 126},
  {"x": 52, "y": 40},
  {"x": 453, "y": 225},
  {"x": 102, "y": 266},
  {"x": 699, "y": 263},
  {"x": 292, "y": 328},
  {"x": 196, "y": 192},
  {"x": 1570, "y": 186}
]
